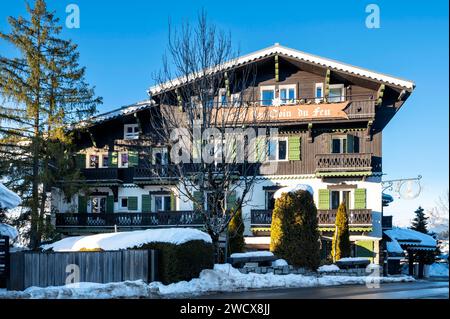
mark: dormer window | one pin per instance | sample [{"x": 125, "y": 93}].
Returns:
[{"x": 130, "y": 132}]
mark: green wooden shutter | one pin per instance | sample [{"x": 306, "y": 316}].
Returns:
[
  {"x": 146, "y": 203},
  {"x": 231, "y": 200},
  {"x": 324, "y": 198},
  {"x": 360, "y": 198},
  {"x": 350, "y": 143},
  {"x": 260, "y": 149},
  {"x": 82, "y": 205},
  {"x": 81, "y": 160},
  {"x": 365, "y": 248},
  {"x": 132, "y": 203},
  {"x": 113, "y": 159},
  {"x": 198, "y": 196},
  {"x": 133, "y": 158},
  {"x": 173, "y": 201},
  {"x": 110, "y": 204},
  {"x": 294, "y": 148}
]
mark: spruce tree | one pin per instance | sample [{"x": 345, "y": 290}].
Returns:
[
  {"x": 236, "y": 243},
  {"x": 294, "y": 232},
  {"x": 341, "y": 239},
  {"x": 419, "y": 222},
  {"x": 42, "y": 90}
]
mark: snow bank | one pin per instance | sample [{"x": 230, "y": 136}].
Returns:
[
  {"x": 11, "y": 232},
  {"x": 223, "y": 278},
  {"x": 124, "y": 240},
  {"x": 8, "y": 199},
  {"x": 84, "y": 290},
  {"x": 326, "y": 268},
  {"x": 438, "y": 270},
  {"x": 279, "y": 263},
  {"x": 292, "y": 189},
  {"x": 252, "y": 254}
]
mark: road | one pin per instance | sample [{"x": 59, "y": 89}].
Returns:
[{"x": 411, "y": 290}]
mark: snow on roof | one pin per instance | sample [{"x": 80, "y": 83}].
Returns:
[
  {"x": 124, "y": 110},
  {"x": 394, "y": 247},
  {"x": 293, "y": 189},
  {"x": 410, "y": 237},
  {"x": 292, "y": 53},
  {"x": 6, "y": 230},
  {"x": 124, "y": 240},
  {"x": 8, "y": 199}
]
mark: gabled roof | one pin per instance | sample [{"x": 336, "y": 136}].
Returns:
[
  {"x": 406, "y": 236},
  {"x": 124, "y": 110},
  {"x": 292, "y": 53}
]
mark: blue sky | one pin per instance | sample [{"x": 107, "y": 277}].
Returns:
[{"x": 121, "y": 44}]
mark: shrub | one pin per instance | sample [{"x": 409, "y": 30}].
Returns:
[
  {"x": 294, "y": 231},
  {"x": 341, "y": 239},
  {"x": 182, "y": 262},
  {"x": 236, "y": 242}
]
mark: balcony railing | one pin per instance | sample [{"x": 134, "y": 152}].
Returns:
[
  {"x": 343, "y": 162},
  {"x": 101, "y": 174},
  {"x": 356, "y": 217},
  {"x": 129, "y": 220}
]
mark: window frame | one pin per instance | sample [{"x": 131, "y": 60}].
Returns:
[
  {"x": 131, "y": 136},
  {"x": 287, "y": 87},
  {"x": 343, "y": 148},
  {"x": 317, "y": 86},
  {"x": 266, "y": 88},
  {"x": 103, "y": 160},
  {"x": 120, "y": 162},
  {"x": 278, "y": 139},
  {"x": 120, "y": 207},
  {"x": 163, "y": 203},
  {"x": 89, "y": 160},
  {"x": 337, "y": 86}
]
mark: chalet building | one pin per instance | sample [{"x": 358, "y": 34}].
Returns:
[{"x": 331, "y": 117}]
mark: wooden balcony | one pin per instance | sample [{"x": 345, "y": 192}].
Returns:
[
  {"x": 101, "y": 174},
  {"x": 343, "y": 162},
  {"x": 108, "y": 221},
  {"x": 326, "y": 218}
]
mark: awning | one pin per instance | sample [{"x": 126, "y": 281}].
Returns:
[{"x": 411, "y": 239}]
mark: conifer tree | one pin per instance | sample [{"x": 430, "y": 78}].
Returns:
[
  {"x": 294, "y": 230},
  {"x": 42, "y": 90},
  {"x": 236, "y": 234},
  {"x": 419, "y": 222},
  {"x": 341, "y": 239}
]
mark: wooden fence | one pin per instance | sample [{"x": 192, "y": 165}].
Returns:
[
  {"x": 56, "y": 269},
  {"x": 4, "y": 260}
]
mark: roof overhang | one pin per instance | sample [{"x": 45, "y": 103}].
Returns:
[{"x": 289, "y": 53}]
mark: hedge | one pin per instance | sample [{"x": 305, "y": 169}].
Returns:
[{"x": 182, "y": 262}]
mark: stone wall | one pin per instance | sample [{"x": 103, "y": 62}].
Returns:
[{"x": 285, "y": 270}]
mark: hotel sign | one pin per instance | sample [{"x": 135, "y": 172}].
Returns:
[{"x": 299, "y": 112}]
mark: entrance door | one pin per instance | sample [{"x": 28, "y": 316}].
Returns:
[{"x": 97, "y": 204}]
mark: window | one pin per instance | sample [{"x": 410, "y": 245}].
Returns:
[
  {"x": 337, "y": 93},
  {"x": 215, "y": 201},
  {"x": 162, "y": 203},
  {"x": 270, "y": 200},
  {"x": 339, "y": 144},
  {"x": 267, "y": 95},
  {"x": 123, "y": 160},
  {"x": 338, "y": 197},
  {"x": 93, "y": 161},
  {"x": 277, "y": 149},
  {"x": 123, "y": 203},
  {"x": 319, "y": 92},
  {"x": 105, "y": 160},
  {"x": 223, "y": 101},
  {"x": 160, "y": 156},
  {"x": 287, "y": 94},
  {"x": 97, "y": 204},
  {"x": 131, "y": 132}
]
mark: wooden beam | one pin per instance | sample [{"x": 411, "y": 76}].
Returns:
[
  {"x": 91, "y": 135},
  {"x": 139, "y": 123},
  {"x": 310, "y": 135},
  {"x": 277, "y": 69},
  {"x": 227, "y": 85},
  {"x": 380, "y": 94},
  {"x": 326, "y": 89},
  {"x": 369, "y": 131}
]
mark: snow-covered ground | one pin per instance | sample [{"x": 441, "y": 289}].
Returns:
[
  {"x": 124, "y": 240},
  {"x": 223, "y": 278},
  {"x": 328, "y": 268},
  {"x": 438, "y": 270}
]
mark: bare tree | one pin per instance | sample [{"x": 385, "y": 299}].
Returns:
[
  {"x": 438, "y": 216},
  {"x": 207, "y": 118}
]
